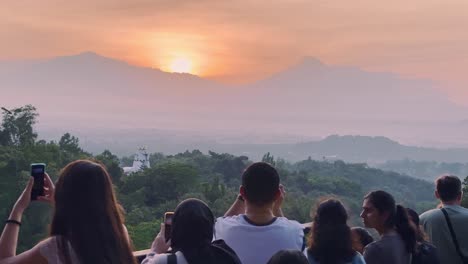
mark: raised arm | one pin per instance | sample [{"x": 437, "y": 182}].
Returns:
[
  {"x": 237, "y": 208},
  {"x": 9, "y": 237}
]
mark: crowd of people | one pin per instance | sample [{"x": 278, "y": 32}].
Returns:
[{"x": 88, "y": 226}]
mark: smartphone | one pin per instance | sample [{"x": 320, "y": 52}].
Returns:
[
  {"x": 168, "y": 225},
  {"x": 37, "y": 171}
]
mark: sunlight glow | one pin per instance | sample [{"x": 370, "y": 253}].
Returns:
[{"x": 181, "y": 65}]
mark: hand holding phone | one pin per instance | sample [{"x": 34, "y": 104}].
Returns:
[
  {"x": 38, "y": 173},
  {"x": 168, "y": 225}
]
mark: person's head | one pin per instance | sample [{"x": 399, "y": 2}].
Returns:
[
  {"x": 378, "y": 210},
  {"x": 414, "y": 217},
  {"x": 448, "y": 189},
  {"x": 260, "y": 184},
  {"x": 330, "y": 237},
  {"x": 288, "y": 257},
  {"x": 192, "y": 226},
  {"x": 88, "y": 216},
  {"x": 381, "y": 212},
  {"x": 361, "y": 238}
]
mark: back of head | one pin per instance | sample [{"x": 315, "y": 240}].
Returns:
[
  {"x": 192, "y": 230},
  {"x": 288, "y": 257},
  {"x": 261, "y": 183},
  {"x": 448, "y": 187},
  {"x": 330, "y": 240},
  {"x": 414, "y": 217},
  {"x": 88, "y": 216},
  {"x": 364, "y": 237},
  {"x": 397, "y": 217}
]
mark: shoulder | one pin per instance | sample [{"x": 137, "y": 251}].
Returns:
[
  {"x": 283, "y": 221},
  {"x": 30, "y": 256},
  {"x": 229, "y": 221},
  {"x": 429, "y": 215},
  {"x": 372, "y": 249}
]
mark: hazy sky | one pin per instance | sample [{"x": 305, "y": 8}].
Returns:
[{"x": 240, "y": 41}]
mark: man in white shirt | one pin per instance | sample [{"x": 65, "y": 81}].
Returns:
[{"x": 254, "y": 227}]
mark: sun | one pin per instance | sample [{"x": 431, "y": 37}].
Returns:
[{"x": 181, "y": 65}]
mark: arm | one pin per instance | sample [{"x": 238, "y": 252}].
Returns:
[
  {"x": 237, "y": 208},
  {"x": 9, "y": 238}
]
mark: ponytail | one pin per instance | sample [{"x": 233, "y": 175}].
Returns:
[{"x": 405, "y": 228}]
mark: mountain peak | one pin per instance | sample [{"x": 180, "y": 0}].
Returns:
[{"x": 310, "y": 62}]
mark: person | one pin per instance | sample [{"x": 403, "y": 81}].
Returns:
[
  {"x": 191, "y": 238},
  {"x": 361, "y": 238},
  {"x": 254, "y": 226},
  {"x": 330, "y": 237},
  {"x": 87, "y": 223},
  {"x": 397, "y": 240},
  {"x": 426, "y": 253},
  {"x": 288, "y": 257},
  {"x": 449, "y": 191}
]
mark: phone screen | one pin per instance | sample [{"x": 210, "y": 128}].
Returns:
[
  {"x": 37, "y": 171},
  {"x": 168, "y": 225}
]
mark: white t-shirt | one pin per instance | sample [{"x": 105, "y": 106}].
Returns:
[{"x": 255, "y": 244}]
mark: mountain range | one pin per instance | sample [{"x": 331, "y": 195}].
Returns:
[{"x": 87, "y": 91}]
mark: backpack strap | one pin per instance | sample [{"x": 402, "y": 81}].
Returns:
[
  {"x": 454, "y": 238},
  {"x": 171, "y": 259}
]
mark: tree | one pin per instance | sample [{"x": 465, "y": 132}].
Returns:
[
  {"x": 17, "y": 126},
  {"x": 70, "y": 143},
  {"x": 268, "y": 158},
  {"x": 112, "y": 164}
]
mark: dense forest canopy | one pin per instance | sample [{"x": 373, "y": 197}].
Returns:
[{"x": 212, "y": 177}]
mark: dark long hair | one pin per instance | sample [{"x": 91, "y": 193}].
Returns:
[
  {"x": 397, "y": 217},
  {"x": 192, "y": 230},
  {"x": 192, "y": 234},
  {"x": 414, "y": 217},
  {"x": 88, "y": 216},
  {"x": 330, "y": 239}
]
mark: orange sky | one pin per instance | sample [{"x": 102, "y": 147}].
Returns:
[{"x": 241, "y": 41}]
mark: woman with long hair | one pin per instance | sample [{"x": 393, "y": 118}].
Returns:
[
  {"x": 87, "y": 223},
  {"x": 330, "y": 237},
  {"x": 397, "y": 233},
  {"x": 191, "y": 238}
]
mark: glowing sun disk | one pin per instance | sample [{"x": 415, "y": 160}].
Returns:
[{"x": 181, "y": 65}]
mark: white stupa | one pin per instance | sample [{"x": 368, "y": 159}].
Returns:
[{"x": 140, "y": 161}]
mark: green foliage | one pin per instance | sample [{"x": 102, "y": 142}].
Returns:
[
  {"x": 143, "y": 233},
  {"x": 212, "y": 177},
  {"x": 112, "y": 164},
  {"x": 17, "y": 126}
]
